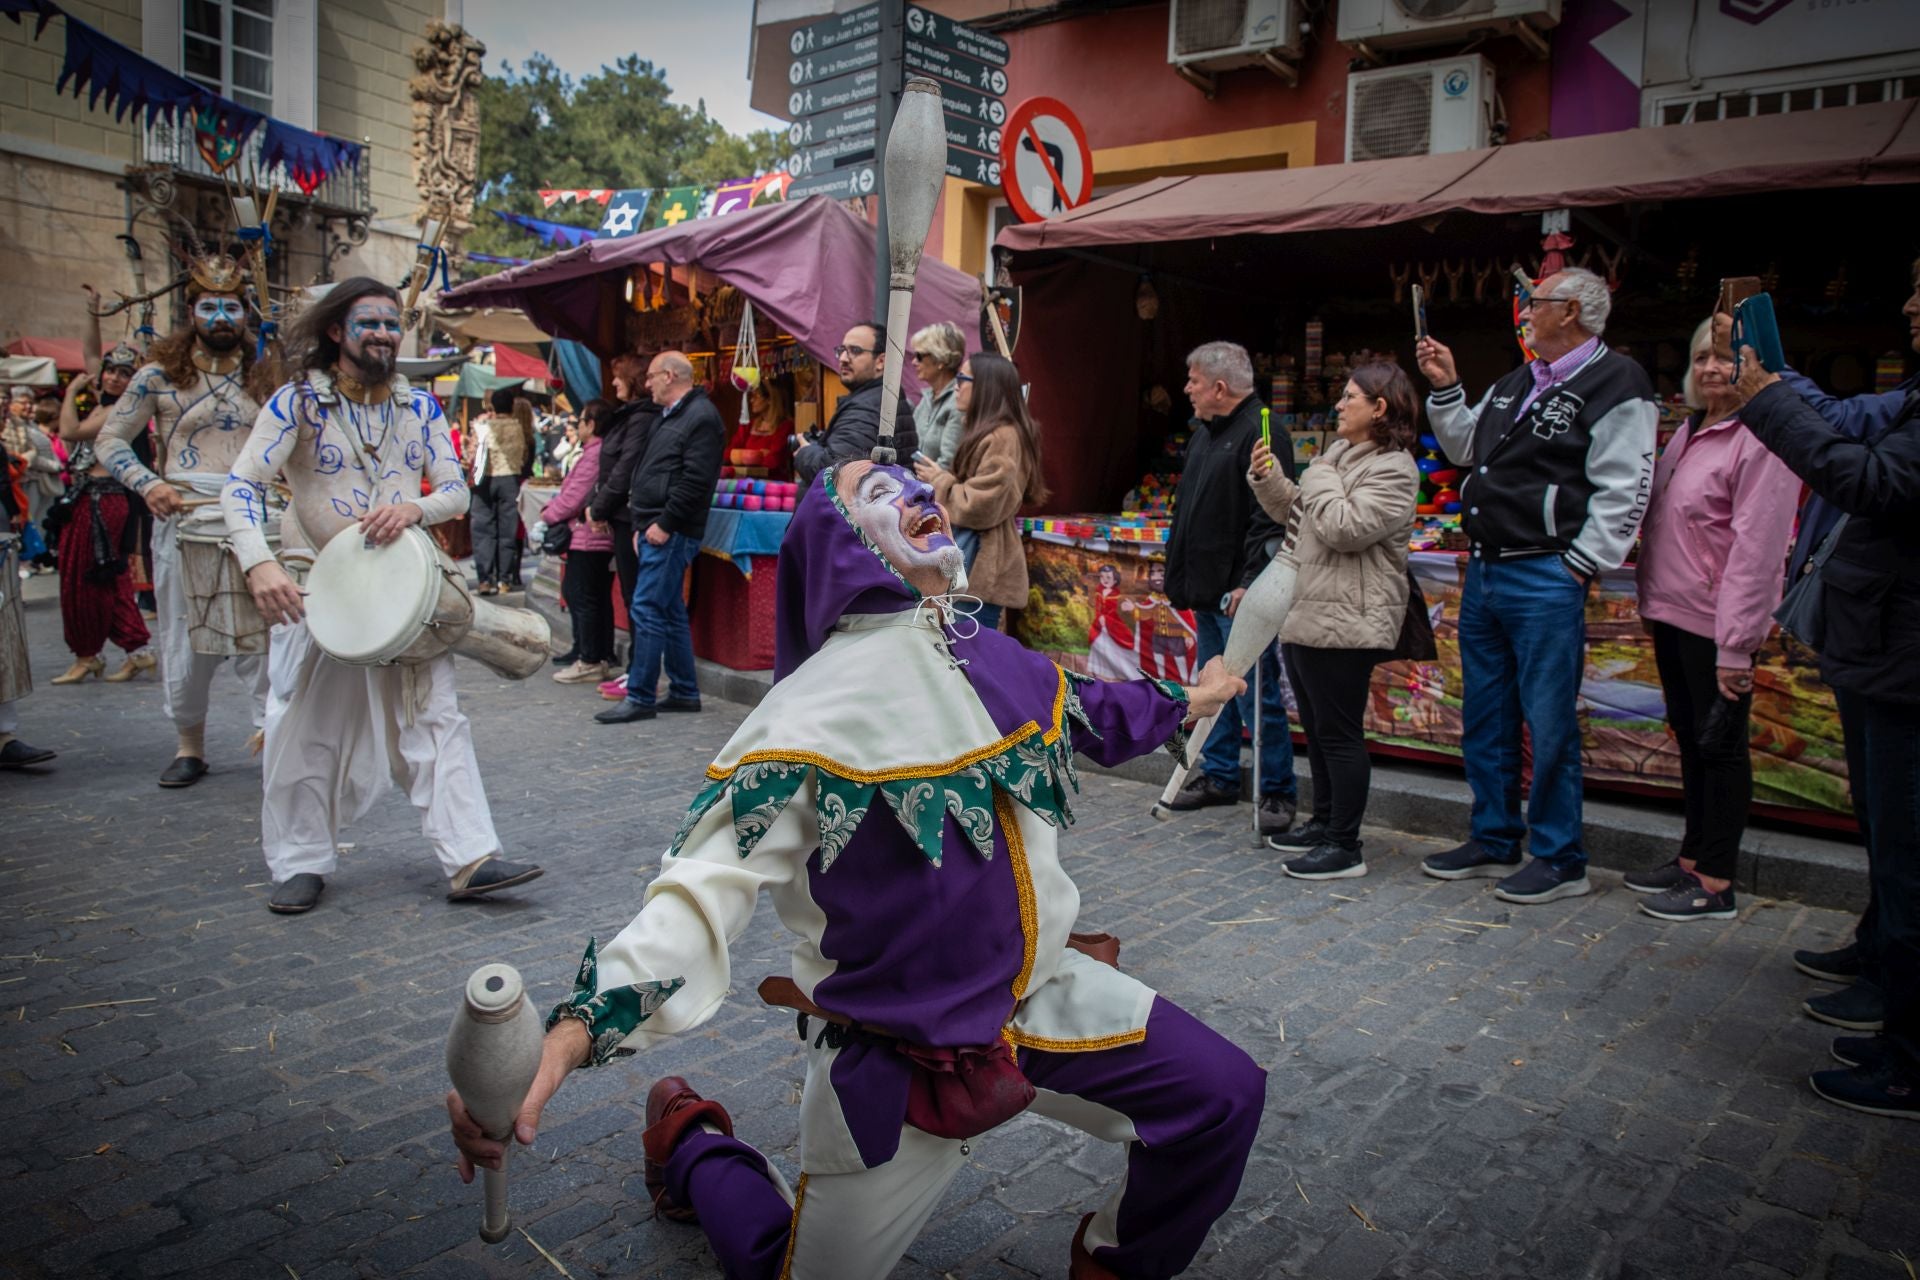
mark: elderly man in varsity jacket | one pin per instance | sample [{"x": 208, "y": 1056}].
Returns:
[{"x": 1558, "y": 464}]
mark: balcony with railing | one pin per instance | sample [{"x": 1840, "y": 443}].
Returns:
[{"x": 346, "y": 192}]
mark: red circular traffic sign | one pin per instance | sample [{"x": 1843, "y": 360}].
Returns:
[{"x": 1046, "y": 167}]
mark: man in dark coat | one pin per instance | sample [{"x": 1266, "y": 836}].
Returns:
[
  {"x": 856, "y": 419},
  {"x": 1219, "y": 543},
  {"x": 668, "y": 500},
  {"x": 620, "y": 452}
]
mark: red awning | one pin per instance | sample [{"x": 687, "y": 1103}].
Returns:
[
  {"x": 65, "y": 351},
  {"x": 509, "y": 363},
  {"x": 1839, "y": 147}
]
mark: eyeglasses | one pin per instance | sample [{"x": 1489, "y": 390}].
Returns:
[
  {"x": 844, "y": 350},
  {"x": 963, "y": 377},
  {"x": 1557, "y": 297},
  {"x": 921, "y": 355}
]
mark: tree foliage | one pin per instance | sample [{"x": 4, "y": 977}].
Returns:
[{"x": 540, "y": 128}]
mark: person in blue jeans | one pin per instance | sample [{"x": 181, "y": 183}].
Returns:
[
  {"x": 1558, "y": 467},
  {"x": 670, "y": 496}
]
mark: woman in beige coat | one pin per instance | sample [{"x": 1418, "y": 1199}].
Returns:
[
  {"x": 996, "y": 471},
  {"x": 1347, "y": 524}
]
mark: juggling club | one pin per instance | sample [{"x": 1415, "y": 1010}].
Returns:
[{"x": 493, "y": 1053}]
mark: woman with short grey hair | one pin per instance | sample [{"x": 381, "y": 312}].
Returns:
[{"x": 937, "y": 351}]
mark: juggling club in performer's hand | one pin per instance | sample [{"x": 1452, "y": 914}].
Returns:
[{"x": 493, "y": 1053}]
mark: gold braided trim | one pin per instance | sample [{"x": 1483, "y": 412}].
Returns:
[
  {"x": 717, "y": 774},
  {"x": 1026, "y": 1041},
  {"x": 1023, "y": 887},
  {"x": 793, "y": 1232}
]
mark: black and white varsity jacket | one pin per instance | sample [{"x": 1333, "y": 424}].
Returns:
[{"x": 1570, "y": 478}]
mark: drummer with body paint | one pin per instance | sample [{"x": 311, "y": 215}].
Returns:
[
  {"x": 897, "y": 796},
  {"x": 353, "y": 441},
  {"x": 201, "y": 390}
]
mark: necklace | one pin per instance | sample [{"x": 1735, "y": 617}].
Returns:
[
  {"x": 207, "y": 362},
  {"x": 361, "y": 403},
  {"x": 360, "y": 392}
]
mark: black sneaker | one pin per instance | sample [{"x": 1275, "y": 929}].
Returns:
[
  {"x": 566, "y": 659},
  {"x": 1871, "y": 1052},
  {"x": 1691, "y": 900},
  {"x": 1328, "y": 862},
  {"x": 1469, "y": 861},
  {"x": 1305, "y": 838},
  {"x": 1275, "y": 814},
  {"x": 1543, "y": 881},
  {"x": 1658, "y": 880},
  {"x": 1885, "y": 1090},
  {"x": 1842, "y": 965},
  {"x": 1859, "y": 1007},
  {"x": 1202, "y": 792}
]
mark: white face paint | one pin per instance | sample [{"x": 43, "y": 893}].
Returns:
[
  {"x": 896, "y": 510},
  {"x": 219, "y": 319},
  {"x": 370, "y": 338}
]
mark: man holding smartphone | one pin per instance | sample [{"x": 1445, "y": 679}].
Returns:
[{"x": 1558, "y": 467}]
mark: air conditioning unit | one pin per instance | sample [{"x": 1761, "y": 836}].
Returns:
[
  {"x": 1400, "y": 24},
  {"x": 1421, "y": 109},
  {"x": 1219, "y": 35}
]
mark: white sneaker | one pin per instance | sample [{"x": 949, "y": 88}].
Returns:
[{"x": 581, "y": 673}]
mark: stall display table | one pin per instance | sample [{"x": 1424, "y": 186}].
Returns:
[
  {"x": 733, "y": 588},
  {"x": 1089, "y": 621}
]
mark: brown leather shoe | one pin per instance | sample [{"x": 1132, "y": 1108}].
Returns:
[
  {"x": 1083, "y": 1267},
  {"x": 673, "y": 1108}
]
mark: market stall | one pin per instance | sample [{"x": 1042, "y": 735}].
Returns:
[
  {"x": 757, "y": 300},
  {"x": 1312, "y": 270}
]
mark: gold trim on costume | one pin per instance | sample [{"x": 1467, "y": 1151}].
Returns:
[
  {"x": 1042, "y": 1043},
  {"x": 1023, "y": 888},
  {"x": 793, "y": 1231}
]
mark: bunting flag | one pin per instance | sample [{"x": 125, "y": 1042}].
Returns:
[
  {"x": 551, "y": 196},
  {"x": 311, "y": 158},
  {"x": 677, "y": 205},
  {"x": 770, "y": 188},
  {"x": 494, "y": 259},
  {"x": 45, "y": 9},
  {"x": 559, "y": 233},
  {"x": 625, "y": 213}
]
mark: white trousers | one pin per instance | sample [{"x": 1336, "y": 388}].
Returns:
[
  {"x": 337, "y": 735},
  {"x": 186, "y": 676}
]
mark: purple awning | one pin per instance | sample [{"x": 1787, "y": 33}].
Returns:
[{"x": 806, "y": 265}]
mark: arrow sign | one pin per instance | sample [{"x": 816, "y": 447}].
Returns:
[
  {"x": 859, "y": 118},
  {"x": 973, "y": 167},
  {"x": 973, "y": 137},
  {"x": 812, "y": 68},
  {"x": 829, "y": 94},
  {"x": 927, "y": 27},
  {"x": 840, "y": 184},
  {"x": 967, "y": 107},
  {"x": 836, "y": 30},
  {"x": 955, "y": 68},
  {"x": 839, "y": 152}
]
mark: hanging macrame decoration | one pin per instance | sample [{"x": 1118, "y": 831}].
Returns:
[{"x": 746, "y": 358}]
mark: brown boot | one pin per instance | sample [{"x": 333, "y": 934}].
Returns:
[
  {"x": 133, "y": 666},
  {"x": 673, "y": 1108},
  {"x": 81, "y": 669},
  {"x": 1083, "y": 1267}
]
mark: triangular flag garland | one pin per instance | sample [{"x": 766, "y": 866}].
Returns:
[
  {"x": 630, "y": 210},
  {"x": 108, "y": 72}
]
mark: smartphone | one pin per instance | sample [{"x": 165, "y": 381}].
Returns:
[
  {"x": 1735, "y": 290},
  {"x": 1419, "y": 314}
]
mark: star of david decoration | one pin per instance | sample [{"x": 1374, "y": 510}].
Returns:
[{"x": 621, "y": 218}]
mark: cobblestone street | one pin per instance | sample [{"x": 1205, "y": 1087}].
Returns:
[{"x": 1458, "y": 1088}]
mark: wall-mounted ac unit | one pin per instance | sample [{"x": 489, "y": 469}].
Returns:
[
  {"x": 1422, "y": 108},
  {"x": 1399, "y": 24},
  {"x": 1218, "y": 35}
]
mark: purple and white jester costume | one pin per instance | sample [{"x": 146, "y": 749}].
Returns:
[{"x": 897, "y": 795}]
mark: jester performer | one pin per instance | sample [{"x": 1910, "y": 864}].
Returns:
[
  {"x": 353, "y": 441},
  {"x": 906, "y": 833},
  {"x": 201, "y": 389}
]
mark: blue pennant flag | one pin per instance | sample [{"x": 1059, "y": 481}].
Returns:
[
  {"x": 559, "y": 233},
  {"x": 625, "y": 212}
]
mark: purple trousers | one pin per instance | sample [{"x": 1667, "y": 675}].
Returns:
[{"x": 1185, "y": 1100}]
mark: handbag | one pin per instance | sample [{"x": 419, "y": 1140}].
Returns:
[
  {"x": 1802, "y": 614},
  {"x": 1416, "y": 628},
  {"x": 559, "y": 539}
]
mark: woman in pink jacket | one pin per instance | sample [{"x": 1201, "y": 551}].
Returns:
[
  {"x": 589, "y": 580},
  {"x": 1712, "y": 559}
]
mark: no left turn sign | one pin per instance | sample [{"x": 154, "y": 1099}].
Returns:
[{"x": 1045, "y": 165}]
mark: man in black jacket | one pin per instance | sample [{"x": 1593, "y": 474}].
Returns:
[
  {"x": 670, "y": 495},
  {"x": 1870, "y": 655},
  {"x": 1220, "y": 541},
  {"x": 856, "y": 419},
  {"x": 620, "y": 452}
]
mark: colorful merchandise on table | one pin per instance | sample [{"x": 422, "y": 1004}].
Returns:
[{"x": 755, "y": 495}]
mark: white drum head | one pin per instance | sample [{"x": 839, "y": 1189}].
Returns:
[{"x": 366, "y": 605}]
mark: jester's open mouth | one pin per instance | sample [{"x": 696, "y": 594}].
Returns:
[{"x": 920, "y": 526}]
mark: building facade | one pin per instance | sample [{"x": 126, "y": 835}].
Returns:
[{"x": 80, "y": 184}]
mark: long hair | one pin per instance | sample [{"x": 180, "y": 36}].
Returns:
[
  {"x": 778, "y": 408},
  {"x": 997, "y": 403},
  {"x": 1399, "y": 426},
  {"x": 309, "y": 348},
  {"x": 523, "y": 414},
  {"x": 594, "y": 414},
  {"x": 174, "y": 355}
]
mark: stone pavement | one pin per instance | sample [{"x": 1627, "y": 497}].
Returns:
[{"x": 1458, "y": 1088}]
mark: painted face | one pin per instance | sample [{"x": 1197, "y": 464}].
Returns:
[
  {"x": 370, "y": 337},
  {"x": 219, "y": 320},
  {"x": 1157, "y": 576},
  {"x": 1109, "y": 577},
  {"x": 896, "y": 511}
]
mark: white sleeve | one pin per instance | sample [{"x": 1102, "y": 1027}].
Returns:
[
  {"x": 448, "y": 498},
  {"x": 1454, "y": 423},
  {"x": 129, "y": 417},
  {"x": 243, "y": 499},
  {"x": 1620, "y": 467},
  {"x": 703, "y": 898}
]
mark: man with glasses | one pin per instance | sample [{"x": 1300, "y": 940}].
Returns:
[
  {"x": 1558, "y": 466},
  {"x": 671, "y": 493},
  {"x": 855, "y": 425}
]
